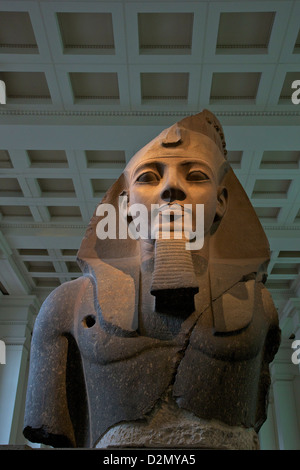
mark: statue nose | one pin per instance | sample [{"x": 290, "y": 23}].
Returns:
[
  {"x": 172, "y": 190},
  {"x": 173, "y": 194}
]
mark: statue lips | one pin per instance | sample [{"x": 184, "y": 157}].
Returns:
[
  {"x": 171, "y": 217},
  {"x": 177, "y": 209}
]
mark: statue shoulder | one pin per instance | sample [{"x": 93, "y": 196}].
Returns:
[
  {"x": 57, "y": 311},
  {"x": 268, "y": 304},
  {"x": 273, "y": 339}
]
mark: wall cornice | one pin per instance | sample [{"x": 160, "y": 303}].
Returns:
[{"x": 146, "y": 113}]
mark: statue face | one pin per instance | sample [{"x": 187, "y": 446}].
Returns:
[{"x": 180, "y": 180}]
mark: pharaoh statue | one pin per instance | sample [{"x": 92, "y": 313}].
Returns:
[{"x": 161, "y": 343}]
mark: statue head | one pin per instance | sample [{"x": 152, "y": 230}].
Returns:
[{"x": 182, "y": 167}]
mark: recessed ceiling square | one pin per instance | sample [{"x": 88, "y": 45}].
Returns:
[
  {"x": 289, "y": 254},
  {"x": 69, "y": 252},
  {"x": 56, "y": 187},
  {"x": 73, "y": 267},
  {"x": 165, "y": 33},
  {"x": 26, "y": 86},
  {"x": 16, "y": 33},
  {"x": 100, "y": 186},
  {"x": 278, "y": 284},
  {"x": 5, "y": 161},
  {"x": 96, "y": 86},
  {"x": 271, "y": 188},
  {"x": 234, "y": 86},
  {"x": 98, "y": 158},
  {"x": 48, "y": 158},
  {"x": 64, "y": 211},
  {"x": 164, "y": 86},
  {"x": 39, "y": 266},
  {"x": 267, "y": 212},
  {"x": 33, "y": 252},
  {"x": 9, "y": 187},
  {"x": 244, "y": 32},
  {"x": 234, "y": 157},
  {"x": 280, "y": 159},
  {"x": 289, "y": 269},
  {"x": 15, "y": 211},
  {"x": 87, "y": 33},
  {"x": 297, "y": 44},
  {"x": 46, "y": 282}
]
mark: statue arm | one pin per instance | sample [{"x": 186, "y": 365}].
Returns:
[
  {"x": 47, "y": 417},
  {"x": 274, "y": 333},
  {"x": 271, "y": 346}
]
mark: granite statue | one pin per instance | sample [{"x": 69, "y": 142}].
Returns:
[{"x": 157, "y": 345}]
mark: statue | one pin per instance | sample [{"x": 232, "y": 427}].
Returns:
[{"x": 157, "y": 345}]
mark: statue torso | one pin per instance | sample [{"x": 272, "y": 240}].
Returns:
[{"x": 210, "y": 375}]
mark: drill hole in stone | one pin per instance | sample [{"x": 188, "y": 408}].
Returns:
[{"x": 89, "y": 321}]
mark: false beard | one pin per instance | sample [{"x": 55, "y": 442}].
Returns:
[{"x": 174, "y": 282}]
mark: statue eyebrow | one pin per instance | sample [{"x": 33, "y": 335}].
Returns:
[
  {"x": 203, "y": 166},
  {"x": 144, "y": 166},
  {"x": 193, "y": 162}
]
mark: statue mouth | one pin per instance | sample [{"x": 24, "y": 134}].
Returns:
[
  {"x": 170, "y": 217},
  {"x": 176, "y": 208}
]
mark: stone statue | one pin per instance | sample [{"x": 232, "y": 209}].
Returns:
[{"x": 157, "y": 345}]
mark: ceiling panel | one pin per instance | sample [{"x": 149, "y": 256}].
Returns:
[
  {"x": 95, "y": 86},
  {"x": 47, "y": 158},
  {"x": 165, "y": 33},
  {"x": 16, "y": 33},
  {"x": 234, "y": 86},
  {"x": 248, "y": 32},
  {"x": 25, "y": 85},
  {"x": 86, "y": 32},
  {"x": 164, "y": 86}
]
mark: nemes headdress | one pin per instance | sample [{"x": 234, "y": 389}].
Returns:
[
  {"x": 206, "y": 123},
  {"x": 238, "y": 245},
  {"x": 183, "y": 139}
]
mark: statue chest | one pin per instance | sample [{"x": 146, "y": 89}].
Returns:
[
  {"x": 214, "y": 375},
  {"x": 101, "y": 342}
]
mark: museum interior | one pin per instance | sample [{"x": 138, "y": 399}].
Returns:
[{"x": 88, "y": 83}]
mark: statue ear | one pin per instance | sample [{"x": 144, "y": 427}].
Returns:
[
  {"x": 123, "y": 203},
  {"x": 124, "y": 206},
  {"x": 222, "y": 197}
]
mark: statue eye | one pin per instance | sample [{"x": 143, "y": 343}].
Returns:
[
  {"x": 148, "y": 177},
  {"x": 196, "y": 175}
]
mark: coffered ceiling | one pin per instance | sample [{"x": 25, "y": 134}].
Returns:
[{"x": 89, "y": 83}]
